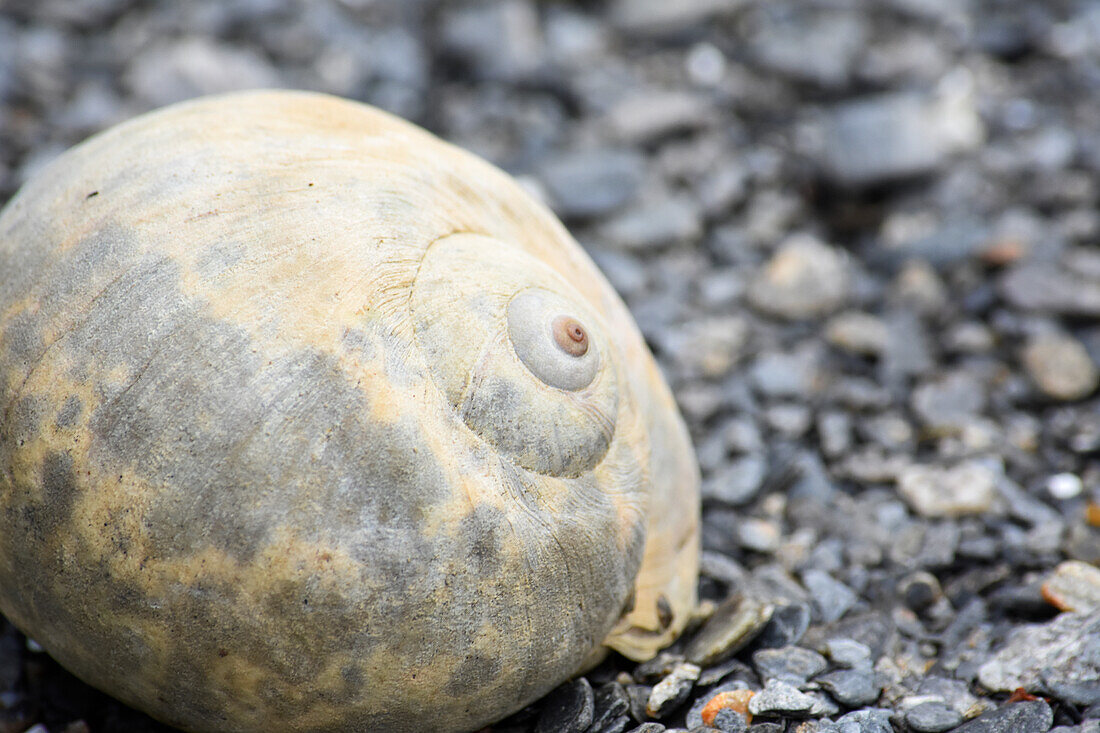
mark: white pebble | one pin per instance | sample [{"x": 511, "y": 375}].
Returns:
[{"x": 1064, "y": 485}]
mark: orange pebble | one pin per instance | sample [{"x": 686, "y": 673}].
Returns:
[
  {"x": 737, "y": 700},
  {"x": 1092, "y": 514}
]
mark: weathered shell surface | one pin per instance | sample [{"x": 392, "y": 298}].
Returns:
[{"x": 268, "y": 457}]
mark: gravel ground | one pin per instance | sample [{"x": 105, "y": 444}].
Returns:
[{"x": 861, "y": 238}]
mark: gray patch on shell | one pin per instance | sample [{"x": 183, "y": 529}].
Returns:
[
  {"x": 219, "y": 258},
  {"x": 355, "y": 341},
  {"x": 25, "y": 418},
  {"x": 472, "y": 674},
  {"x": 499, "y": 411},
  {"x": 481, "y": 531},
  {"x": 69, "y": 412}
]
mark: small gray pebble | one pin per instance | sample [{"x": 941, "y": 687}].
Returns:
[
  {"x": 780, "y": 698},
  {"x": 649, "y": 728},
  {"x": 851, "y": 687},
  {"x": 791, "y": 664},
  {"x": 932, "y": 717},
  {"x": 728, "y": 720},
  {"x": 848, "y": 653},
  {"x": 786, "y": 626},
  {"x": 871, "y": 720},
  {"x": 832, "y": 599}
]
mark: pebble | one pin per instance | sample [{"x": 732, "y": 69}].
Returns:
[
  {"x": 501, "y": 40},
  {"x": 949, "y": 402},
  {"x": 1073, "y": 586},
  {"x": 1064, "y": 651},
  {"x": 1060, "y": 366},
  {"x": 932, "y": 717},
  {"x": 669, "y": 220},
  {"x": 780, "y": 698},
  {"x": 871, "y": 720},
  {"x": 849, "y": 687},
  {"x": 819, "y": 48},
  {"x": 857, "y": 332},
  {"x": 1033, "y": 716},
  {"x": 734, "y": 624},
  {"x": 804, "y": 279},
  {"x": 848, "y": 653},
  {"x": 738, "y": 482},
  {"x": 1064, "y": 485},
  {"x": 730, "y": 721},
  {"x": 649, "y": 116},
  {"x": 662, "y": 18},
  {"x": 672, "y": 691},
  {"x": 787, "y": 624},
  {"x": 758, "y": 535},
  {"x": 933, "y": 491},
  {"x": 791, "y": 664},
  {"x": 649, "y": 728},
  {"x": 193, "y": 66},
  {"x": 1048, "y": 287},
  {"x": 784, "y": 374},
  {"x": 611, "y": 705},
  {"x": 568, "y": 709},
  {"x": 832, "y": 599},
  {"x": 590, "y": 183},
  {"x": 898, "y": 135}
]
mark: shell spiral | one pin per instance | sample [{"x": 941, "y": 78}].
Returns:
[{"x": 311, "y": 421}]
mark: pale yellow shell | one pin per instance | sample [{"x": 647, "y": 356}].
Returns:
[{"x": 269, "y": 459}]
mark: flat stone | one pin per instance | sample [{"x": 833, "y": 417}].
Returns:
[
  {"x": 650, "y": 116},
  {"x": 1060, "y": 366},
  {"x": 672, "y": 691},
  {"x": 736, "y": 483},
  {"x": 1033, "y": 716},
  {"x": 1073, "y": 586},
  {"x": 568, "y": 709},
  {"x": 898, "y": 135},
  {"x": 661, "y": 18},
  {"x": 611, "y": 705},
  {"x": 734, "y": 624},
  {"x": 779, "y": 698},
  {"x": 819, "y": 48},
  {"x": 787, "y": 624},
  {"x": 791, "y": 664},
  {"x": 857, "y": 332},
  {"x": 501, "y": 40},
  {"x": 669, "y": 220},
  {"x": 785, "y": 374},
  {"x": 1063, "y": 652},
  {"x": 850, "y": 687},
  {"x": 949, "y": 402},
  {"x": 932, "y": 717},
  {"x": 1045, "y": 286},
  {"x": 871, "y": 720},
  {"x": 848, "y": 653},
  {"x": 968, "y": 488},
  {"x": 804, "y": 279},
  {"x": 831, "y": 598},
  {"x": 589, "y": 183},
  {"x": 194, "y": 66}
]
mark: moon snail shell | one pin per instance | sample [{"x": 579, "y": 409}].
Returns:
[{"x": 314, "y": 422}]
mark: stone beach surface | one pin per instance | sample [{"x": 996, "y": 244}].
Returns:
[{"x": 862, "y": 239}]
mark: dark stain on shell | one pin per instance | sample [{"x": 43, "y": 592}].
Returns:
[{"x": 69, "y": 412}]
